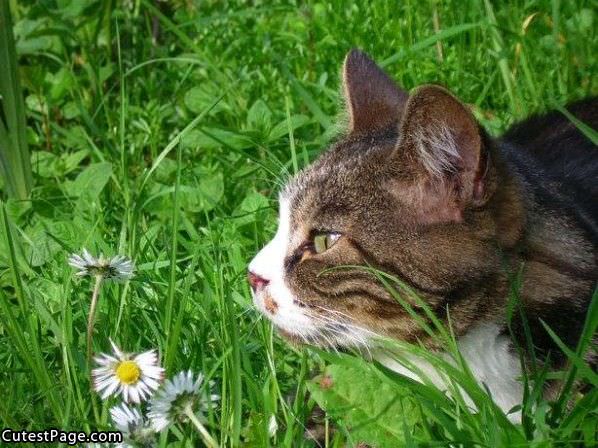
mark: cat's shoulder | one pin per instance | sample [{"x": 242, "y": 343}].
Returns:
[
  {"x": 558, "y": 160},
  {"x": 558, "y": 145},
  {"x": 553, "y": 124}
]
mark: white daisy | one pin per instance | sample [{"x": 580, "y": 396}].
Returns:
[
  {"x": 118, "y": 268},
  {"x": 134, "y": 428},
  {"x": 136, "y": 377},
  {"x": 176, "y": 398}
]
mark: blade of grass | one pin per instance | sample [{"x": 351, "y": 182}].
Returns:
[
  {"x": 310, "y": 103},
  {"x": 171, "y": 342},
  {"x": 291, "y": 136},
  {"x": 584, "y": 128},
  {"x": 588, "y": 332},
  {"x": 175, "y": 141},
  {"x": 576, "y": 360},
  {"x": 15, "y": 163},
  {"x": 445, "y": 34},
  {"x": 503, "y": 63}
]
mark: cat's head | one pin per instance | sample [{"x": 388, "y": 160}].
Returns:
[{"x": 406, "y": 191}]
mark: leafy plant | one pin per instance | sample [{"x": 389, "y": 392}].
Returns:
[{"x": 368, "y": 407}]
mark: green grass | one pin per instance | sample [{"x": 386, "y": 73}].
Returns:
[
  {"x": 15, "y": 167},
  {"x": 163, "y": 130}
]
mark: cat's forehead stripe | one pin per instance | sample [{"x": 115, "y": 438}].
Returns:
[
  {"x": 295, "y": 193},
  {"x": 289, "y": 197}
]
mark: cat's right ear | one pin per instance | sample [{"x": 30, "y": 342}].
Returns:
[
  {"x": 441, "y": 151},
  {"x": 374, "y": 102}
]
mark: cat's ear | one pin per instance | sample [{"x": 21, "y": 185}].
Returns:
[
  {"x": 374, "y": 102},
  {"x": 441, "y": 145}
]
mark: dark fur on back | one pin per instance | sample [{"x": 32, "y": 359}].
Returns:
[
  {"x": 558, "y": 165},
  {"x": 556, "y": 153}
]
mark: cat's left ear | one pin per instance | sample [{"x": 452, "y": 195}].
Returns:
[
  {"x": 441, "y": 144},
  {"x": 374, "y": 101}
]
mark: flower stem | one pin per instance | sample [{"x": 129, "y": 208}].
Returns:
[
  {"x": 91, "y": 319},
  {"x": 207, "y": 438}
]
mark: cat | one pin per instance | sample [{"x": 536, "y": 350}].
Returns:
[{"x": 416, "y": 188}]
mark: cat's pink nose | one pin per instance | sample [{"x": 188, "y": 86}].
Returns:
[{"x": 256, "y": 281}]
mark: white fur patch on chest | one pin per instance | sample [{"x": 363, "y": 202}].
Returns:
[{"x": 490, "y": 359}]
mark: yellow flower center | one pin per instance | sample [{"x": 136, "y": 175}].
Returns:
[{"x": 128, "y": 372}]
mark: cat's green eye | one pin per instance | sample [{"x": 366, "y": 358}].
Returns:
[{"x": 325, "y": 241}]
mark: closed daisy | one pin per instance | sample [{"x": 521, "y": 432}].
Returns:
[
  {"x": 178, "y": 400},
  {"x": 133, "y": 426},
  {"x": 135, "y": 377},
  {"x": 118, "y": 268}
]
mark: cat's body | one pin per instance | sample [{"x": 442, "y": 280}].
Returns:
[
  {"x": 557, "y": 168},
  {"x": 416, "y": 189}
]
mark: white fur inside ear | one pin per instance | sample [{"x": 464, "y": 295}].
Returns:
[
  {"x": 437, "y": 149},
  {"x": 269, "y": 264}
]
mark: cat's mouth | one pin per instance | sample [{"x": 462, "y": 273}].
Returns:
[
  {"x": 301, "y": 323},
  {"x": 329, "y": 336}
]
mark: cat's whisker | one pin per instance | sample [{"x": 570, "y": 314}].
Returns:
[
  {"x": 344, "y": 323},
  {"x": 333, "y": 312},
  {"x": 331, "y": 343},
  {"x": 326, "y": 331},
  {"x": 337, "y": 312},
  {"x": 347, "y": 334}
]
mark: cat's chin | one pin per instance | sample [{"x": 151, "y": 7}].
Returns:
[
  {"x": 292, "y": 338},
  {"x": 317, "y": 340},
  {"x": 297, "y": 340}
]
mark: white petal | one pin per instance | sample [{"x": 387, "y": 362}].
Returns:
[
  {"x": 160, "y": 423},
  {"x": 76, "y": 261},
  {"x": 105, "y": 394},
  {"x": 89, "y": 259},
  {"x": 119, "y": 354},
  {"x": 154, "y": 372},
  {"x": 106, "y": 360},
  {"x": 151, "y": 383},
  {"x": 112, "y": 387},
  {"x": 134, "y": 394},
  {"x": 146, "y": 359}
]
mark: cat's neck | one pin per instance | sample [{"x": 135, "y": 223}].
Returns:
[
  {"x": 549, "y": 250},
  {"x": 541, "y": 224}
]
